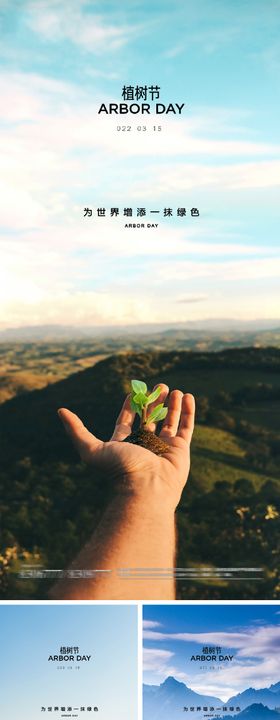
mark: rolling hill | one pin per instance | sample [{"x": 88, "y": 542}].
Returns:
[{"x": 49, "y": 503}]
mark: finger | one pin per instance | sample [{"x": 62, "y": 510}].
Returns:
[
  {"x": 85, "y": 442},
  {"x": 187, "y": 417},
  {"x": 171, "y": 422},
  {"x": 124, "y": 421},
  {"x": 161, "y": 399}
]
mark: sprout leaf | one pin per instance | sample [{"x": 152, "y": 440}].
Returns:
[
  {"x": 161, "y": 414},
  {"x": 140, "y": 399},
  {"x": 157, "y": 414},
  {"x": 138, "y": 386},
  {"x": 154, "y": 395}
]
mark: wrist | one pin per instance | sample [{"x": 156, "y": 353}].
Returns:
[{"x": 150, "y": 494}]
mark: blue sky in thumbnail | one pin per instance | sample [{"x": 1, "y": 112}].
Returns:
[
  {"x": 30, "y": 633},
  {"x": 61, "y": 60},
  {"x": 173, "y": 633}
]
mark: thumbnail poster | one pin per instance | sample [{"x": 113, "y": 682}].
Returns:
[
  {"x": 139, "y": 254},
  {"x": 204, "y": 661},
  {"x": 61, "y": 661}
]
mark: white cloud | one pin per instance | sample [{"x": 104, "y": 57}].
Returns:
[
  {"x": 256, "y": 658},
  {"x": 211, "y": 41},
  {"x": 226, "y": 639},
  {"x": 152, "y": 655},
  {"x": 82, "y": 27},
  {"x": 51, "y": 275},
  {"x": 32, "y": 305},
  {"x": 156, "y": 660},
  {"x": 87, "y": 308},
  {"x": 254, "y": 642},
  {"x": 177, "y": 137},
  {"x": 166, "y": 179},
  {"x": 251, "y": 269},
  {"x": 239, "y": 676},
  {"x": 186, "y": 299},
  {"x": 174, "y": 51},
  {"x": 151, "y": 624}
]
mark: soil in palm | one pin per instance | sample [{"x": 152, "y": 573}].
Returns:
[{"x": 148, "y": 440}]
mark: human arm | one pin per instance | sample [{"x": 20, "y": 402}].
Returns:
[{"x": 138, "y": 528}]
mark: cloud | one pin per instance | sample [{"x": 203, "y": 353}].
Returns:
[
  {"x": 191, "y": 299},
  {"x": 68, "y": 274},
  {"x": 251, "y": 269},
  {"x": 32, "y": 307},
  {"x": 181, "y": 140},
  {"x": 151, "y": 624},
  {"x": 212, "y": 638},
  {"x": 256, "y": 658},
  {"x": 165, "y": 179},
  {"x": 175, "y": 51},
  {"x": 240, "y": 676},
  {"x": 156, "y": 660},
  {"x": 213, "y": 40},
  {"x": 79, "y": 25},
  {"x": 32, "y": 304},
  {"x": 254, "y": 642}
]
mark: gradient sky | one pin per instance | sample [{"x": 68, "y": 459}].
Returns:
[
  {"x": 59, "y": 61},
  {"x": 29, "y": 634},
  {"x": 173, "y": 633}
]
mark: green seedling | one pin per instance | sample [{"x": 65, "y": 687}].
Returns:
[{"x": 140, "y": 401}]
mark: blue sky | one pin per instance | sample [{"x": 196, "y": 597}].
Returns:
[
  {"x": 173, "y": 633},
  {"x": 29, "y": 634},
  {"x": 59, "y": 62}
]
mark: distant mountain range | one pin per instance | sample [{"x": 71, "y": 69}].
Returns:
[
  {"x": 267, "y": 696},
  {"x": 166, "y": 702},
  {"x": 275, "y": 688},
  {"x": 37, "y": 333},
  {"x": 257, "y": 711}
]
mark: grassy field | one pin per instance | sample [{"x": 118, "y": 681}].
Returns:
[
  {"x": 220, "y": 456},
  {"x": 26, "y": 367}
]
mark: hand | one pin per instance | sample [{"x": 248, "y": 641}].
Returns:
[{"x": 134, "y": 469}]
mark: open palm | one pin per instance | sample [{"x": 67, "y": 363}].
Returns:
[{"x": 134, "y": 468}]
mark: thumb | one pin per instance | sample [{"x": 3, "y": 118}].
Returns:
[{"x": 85, "y": 442}]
